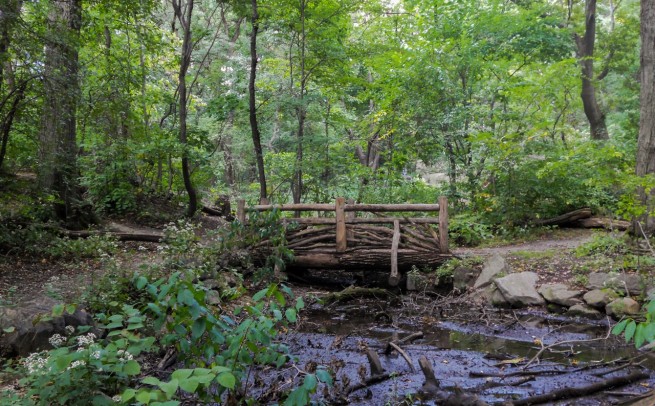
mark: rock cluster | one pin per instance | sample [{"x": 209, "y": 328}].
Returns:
[{"x": 605, "y": 293}]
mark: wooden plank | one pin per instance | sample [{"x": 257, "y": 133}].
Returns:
[
  {"x": 443, "y": 224},
  {"x": 394, "y": 277},
  {"x": 294, "y": 207},
  {"x": 342, "y": 238},
  {"x": 391, "y": 207},
  {"x": 362, "y": 220},
  {"x": 350, "y": 234},
  {"x": 241, "y": 211}
]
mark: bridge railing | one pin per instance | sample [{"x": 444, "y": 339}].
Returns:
[{"x": 345, "y": 213}]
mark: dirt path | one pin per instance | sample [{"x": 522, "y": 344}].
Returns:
[{"x": 563, "y": 240}]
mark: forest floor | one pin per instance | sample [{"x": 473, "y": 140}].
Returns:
[{"x": 458, "y": 338}]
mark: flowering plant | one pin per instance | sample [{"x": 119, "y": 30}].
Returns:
[{"x": 82, "y": 369}]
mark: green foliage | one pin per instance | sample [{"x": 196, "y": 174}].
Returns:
[
  {"x": 82, "y": 369},
  {"x": 638, "y": 331},
  {"x": 218, "y": 350},
  {"x": 468, "y": 229},
  {"x": 603, "y": 244}
]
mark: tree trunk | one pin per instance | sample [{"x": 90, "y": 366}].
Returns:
[
  {"x": 184, "y": 17},
  {"x": 8, "y": 17},
  {"x": 254, "y": 126},
  {"x": 585, "y": 50},
  {"x": 646, "y": 143},
  {"x": 301, "y": 111},
  {"x": 58, "y": 170}
]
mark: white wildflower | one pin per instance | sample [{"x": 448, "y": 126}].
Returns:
[
  {"x": 78, "y": 363},
  {"x": 141, "y": 248},
  {"x": 86, "y": 340},
  {"x": 56, "y": 340},
  {"x": 35, "y": 363},
  {"x": 95, "y": 354},
  {"x": 124, "y": 356},
  {"x": 117, "y": 398},
  {"x": 70, "y": 330}
]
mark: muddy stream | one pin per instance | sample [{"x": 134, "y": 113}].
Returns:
[{"x": 494, "y": 354}]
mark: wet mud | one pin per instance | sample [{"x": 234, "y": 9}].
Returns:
[{"x": 499, "y": 356}]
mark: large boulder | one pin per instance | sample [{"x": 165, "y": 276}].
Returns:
[
  {"x": 465, "y": 277},
  {"x": 631, "y": 284},
  {"x": 27, "y": 327},
  {"x": 519, "y": 289},
  {"x": 584, "y": 310},
  {"x": 560, "y": 294},
  {"x": 599, "y": 298},
  {"x": 493, "y": 266},
  {"x": 624, "y": 306}
]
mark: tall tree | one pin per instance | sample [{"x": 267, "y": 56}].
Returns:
[
  {"x": 646, "y": 143},
  {"x": 58, "y": 170},
  {"x": 254, "y": 125},
  {"x": 585, "y": 52},
  {"x": 11, "y": 94},
  {"x": 183, "y": 13}
]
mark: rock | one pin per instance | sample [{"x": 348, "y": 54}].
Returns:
[
  {"x": 560, "y": 294},
  {"x": 624, "y": 306},
  {"x": 415, "y": 282},
  {"x": 492, "y": 267},
  {"x": 584, "y": 311},
  {"x": 464, "y": 278},
  {"x": 631, "y": 284},
  {"x": 519, "y": 289},
  {"x": 33, "y": 326},
  {"x": 490, "y": 295},
  {"x": 599, "y": 298}
]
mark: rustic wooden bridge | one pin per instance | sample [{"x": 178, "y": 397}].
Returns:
[{"x": 358, "y": 236}]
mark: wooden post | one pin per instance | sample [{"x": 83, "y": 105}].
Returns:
[
  {"x": 350, "y": 215},
  {"x": 342, "y": 238},
  {"x": 394, "y": 278},
  {"x": 443, "y": 224},
  {"x": 241, "y": 211}
]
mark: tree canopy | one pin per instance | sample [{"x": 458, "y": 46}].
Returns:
[{"x": 487, "y": 102}]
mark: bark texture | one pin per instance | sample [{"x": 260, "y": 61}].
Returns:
[
  {"x": 58, "y": 170},
  {"x": 646, "y": 143},
  {"x": 585, "y": 50},
  {"x": 254, "y": 125}
]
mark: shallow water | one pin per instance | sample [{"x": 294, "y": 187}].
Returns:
[{"x": 458, "y": 343}]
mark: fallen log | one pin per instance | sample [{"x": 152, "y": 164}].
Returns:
[
  {"x": 354, "y": 292},
  {"x": 603, "y": 222},
  {"x": 144, "y": 237},
  {"x": 365, "y": 259},
  {"x": 566, "y": 218},
  {"x": 570, "y": 393}
]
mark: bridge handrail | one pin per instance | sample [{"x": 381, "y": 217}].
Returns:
[{"x": 340, "y": 207}]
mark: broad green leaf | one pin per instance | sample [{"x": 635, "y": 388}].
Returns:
[
  {"x": 181, "y": 374},
  {"x": 324, "y": 376},
  {"x": 151, "y": 380},
  {"x": 132, "y": 367},
  {"x": 128, "y": 394},
  {"x": 310, "y": 382},
  {"x": 58, "y": 310},
  {"x": 190, "y": 384},
  {"x": 169, "y": 388},
  {"x": 618, "y": 329},
  {"x": 227, "y": 380},
  {"x": 291, "y": 315},
  {"x": 141, "y": 282},
  {"x": 630, "y": 330},
  {"x": 260, "y": 295},
  {"x": 198, "y": 328},
  {"x": 143, "y": 396},
  {"x": 640, "y": 336},
  {"x": 9, "y": 329}
]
